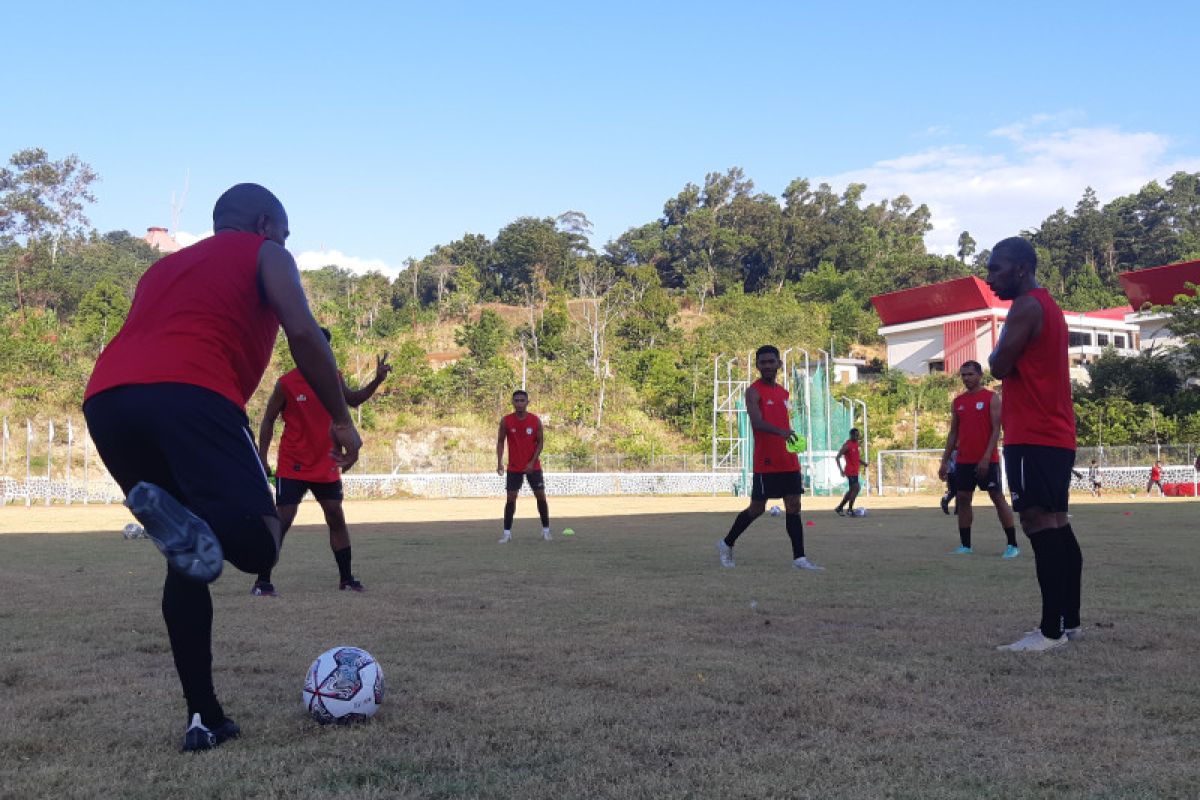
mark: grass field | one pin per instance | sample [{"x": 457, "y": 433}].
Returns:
[{"x": 622, "y": 662}]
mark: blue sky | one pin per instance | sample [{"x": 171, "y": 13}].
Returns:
[{"x": 388, "y": 128}]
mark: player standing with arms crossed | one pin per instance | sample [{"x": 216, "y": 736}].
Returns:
[
  {"x": 1039, "y": 437},
  {"x": 305, "y": 463},
  {"x": 522, "y": 432},
  {"x": 975, "y": 434},
  {"x": 776, "y": 470},
  {"x": 166, "y": 409}
]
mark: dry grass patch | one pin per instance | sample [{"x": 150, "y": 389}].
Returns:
[{"x": 622, "y": 663}]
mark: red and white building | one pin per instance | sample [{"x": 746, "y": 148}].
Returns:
[{"x": 936, "y": 328}]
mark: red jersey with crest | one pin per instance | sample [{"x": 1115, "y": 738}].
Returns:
[
  {"x": 770, "y": 450},
  {"x": 305, "y": 449},
  {"x": 521, "y": 435},
  {"x": 1037, "y": 394},
  {"x": 973, "y": 410},
  {"x": 198, "y": 318},
  {"x": 1156, "y": 473}
]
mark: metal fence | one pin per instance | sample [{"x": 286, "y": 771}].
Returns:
[
  {"x": 1125, "y": 468},
  {"x": 48, "y": 461}
]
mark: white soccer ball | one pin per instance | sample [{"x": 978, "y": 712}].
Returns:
[
  {"x": 344, "y": 684},
  {"x": 859, "y": 512},
  {"x": 776, "y": 511},
  {"x": 133, "y": 531}
]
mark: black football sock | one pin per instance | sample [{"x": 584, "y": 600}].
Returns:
[
  {"x": 964, "y": 536},
  {"x": 739, "y": 526},
  {"x": 187, "y": 610},
  {"x": 795, "y": 532},
  {"x": 510, "y": 508},
  {"x": 1048, "y": 577},
  {"x": 1072, "y": 576},
  {"x": 342, "y": 557},
  {"x": 543, "y": 512},
  {"x": 1010, "y": 534}
]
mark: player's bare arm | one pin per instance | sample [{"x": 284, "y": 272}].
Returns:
[
  {"x": 981, "y": 469},
  {"x": 537, "y": 452},
  {"x": 951, "y": 443},
  {"x": 266, "y": 429},
  {"x": 756, "y": 418},
  {"x": 838, "y": 458},
  {"x": 356, "y": 397},
  {"x": 500, "y": 436},
  {"x": 281, "y": 285},
  {"x": 1023, "y": 324}
]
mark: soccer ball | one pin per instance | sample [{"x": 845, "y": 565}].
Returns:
[
  {"x": 344, "y": 684},
  {"x": 776, "y": 511},
  {"x": 859, "y": 512},
  {"x": 133, "y": 531}
]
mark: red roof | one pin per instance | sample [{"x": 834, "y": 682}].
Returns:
[
  {"x": 936, "y": 300},
  {"x": 1159, "y": 285},
  {"x": 1118, "y": 313}
]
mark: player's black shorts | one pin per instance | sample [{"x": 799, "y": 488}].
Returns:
[
  {"x": 1038, "y": 476},
  {"x": 965, "y": 479},
  {"x": 289, "y": 491},
  {"x": 514, "y": 480},
  {"x": 196, "y": 445},
  {"x": 767, "y": 485},
  {"x": 852, "y": 481}
]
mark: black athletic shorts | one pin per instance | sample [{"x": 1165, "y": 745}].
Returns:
[
  {"x": 965, "y": 479},
  {"x": 1038, "y": 476},
  {"x": 767, "y": 485},
  {"x": 290, "y": 491},
  {"x": 196, "y": 445},
  {"x": 852, "y": 481},
  {"x": 514, "y": 480}
]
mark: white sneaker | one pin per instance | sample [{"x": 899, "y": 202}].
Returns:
[
  {"x": 804, "y": 563},
  {"x": 1033, "y": 642},
  {"x": 506, "y": 538},
  {"x": 1073, "y": 634},
  {"x": 726, "y": 553},
  {"x": 546, "y": 535}
]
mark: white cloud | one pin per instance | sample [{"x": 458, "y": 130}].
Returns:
[
  {"x": 184, "y": 239},
  {"x": 1027, "y": 171},
  {"x": 315, "y": 259}
]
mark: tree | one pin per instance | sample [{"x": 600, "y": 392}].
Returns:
[
  {"x": 42, "y": 198},
  {"x": 966, "y": 246}
]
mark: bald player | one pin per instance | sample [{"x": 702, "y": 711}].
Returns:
[
  {"x": 1038, "y": 419},
  {"x": 165, "y": 406}
]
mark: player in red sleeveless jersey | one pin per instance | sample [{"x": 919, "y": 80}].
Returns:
[
  {"x": 1038, "y": 418},
  {"x": 306, "y": 464},
  {"x": 165, "y": 406},
  {"x": 522, "y": 432},
  {"x": 1155, "y": 479},
  {"x": 776, "y": 470},
  {"x": 975, "y": 434},
  {"x": 849, "y": 470}
]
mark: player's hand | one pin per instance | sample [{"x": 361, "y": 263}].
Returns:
[
  {"x": 529, "y": 467},
  {"x": 943, "y": 471},
  {"x": 499, "y": 469},
  {"x": 346, "y": 444},
  {"x": 382, "y": 368},
  {"x": 981, "y": 469}
]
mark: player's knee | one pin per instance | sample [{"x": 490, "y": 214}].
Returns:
[{"x": 251, "y": 543}]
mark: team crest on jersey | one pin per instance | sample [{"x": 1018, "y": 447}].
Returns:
[
  {"x": 300, "y": 398},
  {"x": 770, "y": 402},
  {"x": 529, "y": 431},
  {"x": 979, "y": 406}
]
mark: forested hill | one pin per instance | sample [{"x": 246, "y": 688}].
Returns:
[{"x": 617, "y": 343}]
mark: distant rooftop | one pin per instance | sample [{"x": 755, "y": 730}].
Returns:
[{"x": 161, "y": 240}]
